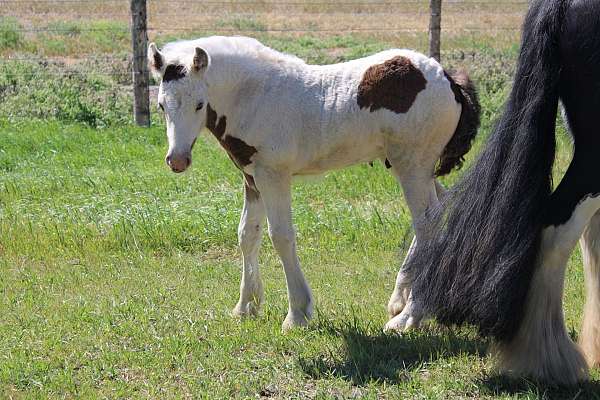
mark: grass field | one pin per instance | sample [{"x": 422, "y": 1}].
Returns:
[{"x": 117, "y": 277}]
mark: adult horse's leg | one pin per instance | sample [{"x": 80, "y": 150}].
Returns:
[
  {"x": 275, "y": 189},
  {"x": 419, "y": 189},
  {"x": 589, "y": 339},
  {"x": 542, "y": 347},
  {"x": 581, "y": 79},
  {"x": 249, "y": 235}
]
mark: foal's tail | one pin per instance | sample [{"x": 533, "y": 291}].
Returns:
[
  {"x": 468, "y": 124},
  {"x": 477, "y": 266}
]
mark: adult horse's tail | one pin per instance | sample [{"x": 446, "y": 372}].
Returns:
[
  {"x": 478, "y": 264},
  {"x": 468, "y": 124}
]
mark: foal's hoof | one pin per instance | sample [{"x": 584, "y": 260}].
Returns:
[
  {"x": 401, "y": 323},
  {"x": 244, "y": 310},
  {"x": 398, "y": 301},
  {"x": 396, "y": 306},
  {"x": 295, "y": 320}
]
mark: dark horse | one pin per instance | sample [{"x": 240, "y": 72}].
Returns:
[{"x": 500, "y": 242}]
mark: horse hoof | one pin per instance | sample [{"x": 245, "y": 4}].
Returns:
[
  {"x": 401, "y": 323},
  {"x": 396, "y": 306},
  {"x": 295, "y": 320},
  {"x": 394, "y": 325},
  {"x": 398, "y": 301},
  {"x": 246, "y": 310}
]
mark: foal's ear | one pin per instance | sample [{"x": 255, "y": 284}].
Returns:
[
  {"x": 155, "y": 58},
  {"x": 201, "y": 60}
]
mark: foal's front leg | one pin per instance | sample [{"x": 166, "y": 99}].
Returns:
[
  {"x": 249, "y": 235},
  {"x": 275, "y": 189}
]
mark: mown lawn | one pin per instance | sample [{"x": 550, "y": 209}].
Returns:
[{"x": 117, "y": 277}]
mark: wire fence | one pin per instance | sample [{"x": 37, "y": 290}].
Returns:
[
  {"x": 307, "y": 30},
  {"x": 42, "y": 18},
  {"x": 91, "y": 39}
]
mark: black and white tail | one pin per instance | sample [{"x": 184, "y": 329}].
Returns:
[{"x": 478, "y": 265}]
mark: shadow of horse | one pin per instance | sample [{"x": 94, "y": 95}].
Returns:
[
  {"x": 370, "y": 355},
  {"x": 501, "y": 385},
  {"x": 504, "y": 385}
]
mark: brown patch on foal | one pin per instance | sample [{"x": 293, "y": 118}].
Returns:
[
  {"x": 392, "y": 85},
  {"x": 238, "y": 150},
  {"x": 217, "y": 128}
]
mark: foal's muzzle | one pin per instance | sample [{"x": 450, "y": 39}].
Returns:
[{"x": 178, "y": 163}]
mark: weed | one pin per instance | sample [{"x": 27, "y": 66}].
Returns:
[{"x": 11, "y": 38}]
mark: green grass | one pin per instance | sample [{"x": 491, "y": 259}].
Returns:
[
  {"x": 11, "y": 37},
  {"x": 65, "y": 38},
  {"x": 242, "y": 24},
  {"x": 89, "y": 37},
  {"x": 117, "y": 277},
  {"x": 54, "y": 91}
]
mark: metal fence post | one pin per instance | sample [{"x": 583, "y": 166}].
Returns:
[
  {"x": 139, "y": 40},
  {"x": 435, "y": 27}
]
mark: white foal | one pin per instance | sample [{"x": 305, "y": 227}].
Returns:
[{"x": 278, "y": 118}]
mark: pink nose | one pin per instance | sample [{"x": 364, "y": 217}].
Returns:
[{"x": 178, "y": 163}]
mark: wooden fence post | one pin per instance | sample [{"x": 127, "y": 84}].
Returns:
[
  {"x": 139, "y": 40},
  {"x": 435, "y": 27}
]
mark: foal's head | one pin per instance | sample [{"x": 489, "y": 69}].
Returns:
[{"x": 182, "y": 97}]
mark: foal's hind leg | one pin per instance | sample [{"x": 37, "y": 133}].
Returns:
[
  {"x": 249, "y": 235},
  {"x": 420, "y": 193},
  {"x": 401, "y": 295},
  {"x": 589, "y": 340},
  {"x": 402, "y": 288},
  {"x": 440, "y": 190}
]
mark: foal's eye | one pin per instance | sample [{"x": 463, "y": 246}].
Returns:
[{"x": 199, "y": 106}]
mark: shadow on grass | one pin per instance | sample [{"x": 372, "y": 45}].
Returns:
[
  {"x": 370, "y": 355},
  {"x": 502, "y": 385}
]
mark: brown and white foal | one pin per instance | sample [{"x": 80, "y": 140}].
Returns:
[{"x": 278, "y": 117}]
